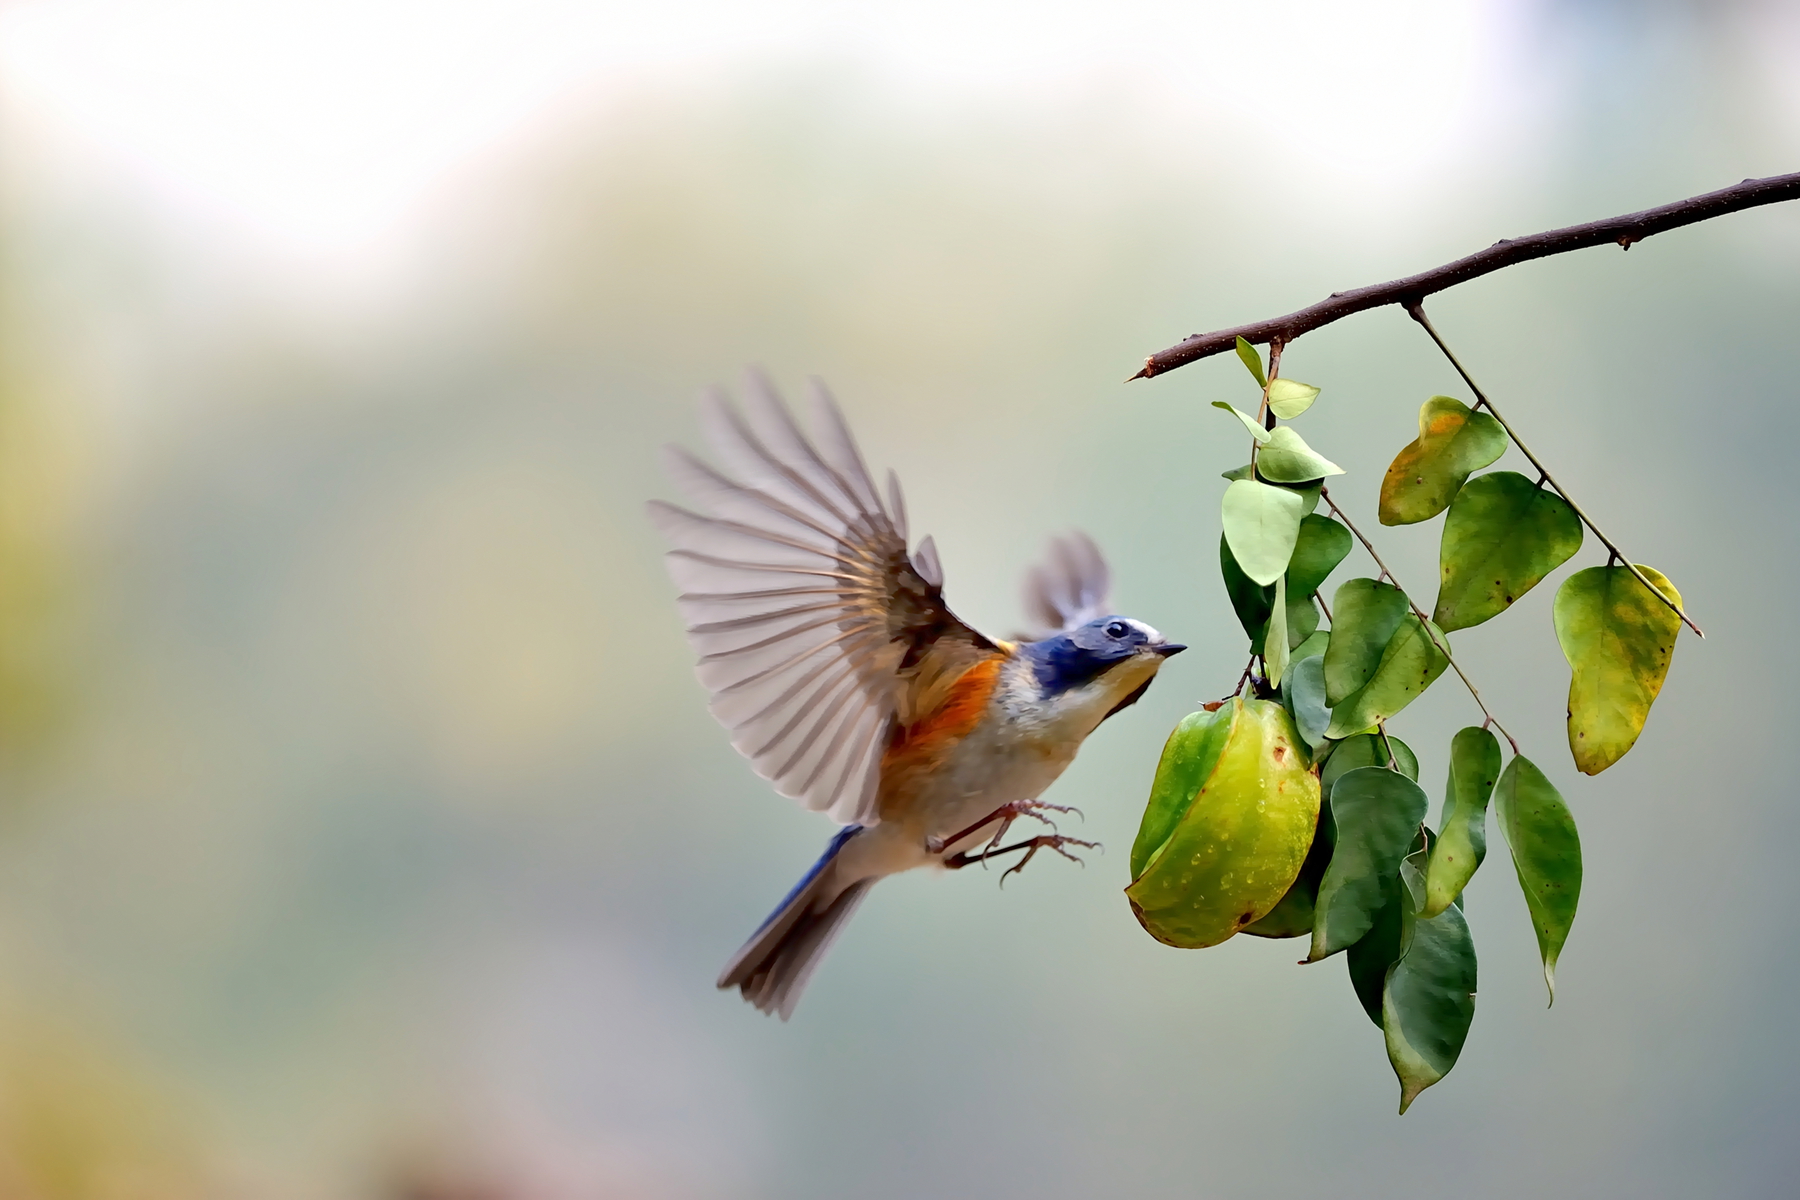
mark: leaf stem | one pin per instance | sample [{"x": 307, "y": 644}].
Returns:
[
  {"x": 1417, "y": 311},
  {"x": 1264, "y": 417},
  {"x": 1424, "y": 621}
]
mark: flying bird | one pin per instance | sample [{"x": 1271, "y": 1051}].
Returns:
[{"x": 848, "y": 683}]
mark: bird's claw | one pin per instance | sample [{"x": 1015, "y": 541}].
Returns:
[
  {"x": 1051, "y": 841},
  {"x": 1002, "y": 818}
]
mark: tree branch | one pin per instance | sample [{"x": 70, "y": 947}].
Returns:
[{"x": 1621, "y": 231}]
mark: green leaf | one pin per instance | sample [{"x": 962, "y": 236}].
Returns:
[
  {"x": 1410, "y": 664},
  {"x": 1256, "y": 430},
  {"x": 1365, "y": 615},
  {"x": 1275, "y": 642},
  {"x": 1303, "y": 691},
  {"x": 1308, "y": 492},
  {"x": 1302, "y": 618},
  {"x": 1188, "y": 757},
  {"x": 1251, "y": 359},
  {"x": 1503, "y": 535},
  {"x": 1546, "y": 852},
  {"x": 1323, "y": 544},
  {"x": 1367, "y": 750},
  {"x": 1453, "y": 442},
  {"x": 1369, "y": 959},
  {"x": 1262, "y": 524},
  {"x": 1462, "y": 844},
  {"x": 1379, "y": 949},
  {"x": 1428, "y": 1002},
  {"x": 1377, "y": 813},
  {"x": 1286, "y": 458},
  {"x": 1314, "y": 644},
  {"x": 1618, "y": 639},
  {"x": 1251, "y": 600},
  {"x": 1288, "y": 398}
]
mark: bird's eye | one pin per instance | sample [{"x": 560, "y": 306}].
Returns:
[{"x": 1117, "y": 629}]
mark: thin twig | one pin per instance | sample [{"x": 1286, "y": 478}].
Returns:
[
  {"x": 1319, "y": 596},
  {"x": 1424, "y": 621},
  {"x": 1621, "y": 231},
  {"x": 1393, "y": 764},
  {"x": 1417, "y": 312}
]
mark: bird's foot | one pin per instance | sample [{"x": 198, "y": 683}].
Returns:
[
  {"x": 1002, "y": 818},
  {"x": 1044, "y": 841}
]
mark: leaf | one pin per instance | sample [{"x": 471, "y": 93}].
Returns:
[
  {"x": 1288, "y": 398},
  {"x": 1546, "y": 853},
  {"x": 1251, "y": 359},
  {"x": 1618, "y": 639},
  {"x": 1368, "y": 750},
  {"x": 1428, "y": 1002},
  {"x": 1369, "y": 959},
  {"x": 1503, "y": 535},
  {"x": 1261, "y": 525},
  {"x": 1322, "y": 544},
  {"x": 1286, "y": 458},
  {"x": 1314, "y": 645},
  {"x": 1275, "y": 642},
  {"x": 1377, "y": 813},
  {"x": 1251, "y": 601},
  {"x": 1188, "y": 757},
  {"x": 1453, "y": 442},
  {"x": 1303, "y": 691},
  {"x": 1256, "y": 430},
  {"x": 1462, "y": 837},
  {"x": 1410, "y": 664},
  {"x": 1365, "y": 615},
  {"x": 1302, "y": 618},
  {"x": 1308, "y": 492}
]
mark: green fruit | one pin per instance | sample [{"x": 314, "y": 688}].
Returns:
[{"x": 1230, "y": 819}]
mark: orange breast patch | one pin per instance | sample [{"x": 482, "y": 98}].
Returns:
[{"x": 932, "y": 735}]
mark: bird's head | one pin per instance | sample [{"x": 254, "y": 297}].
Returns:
[{"x": 1104, "y": 665}]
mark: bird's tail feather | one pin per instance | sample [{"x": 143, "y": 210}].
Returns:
[{"x": 771, "y": 969}]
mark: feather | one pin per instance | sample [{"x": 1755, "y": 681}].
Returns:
[{"x": 815, "y": 631}]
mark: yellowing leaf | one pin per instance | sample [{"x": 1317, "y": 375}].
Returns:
[
  {"x": 1618, "y": 639},
  {"x": 1425, "y": 476}
]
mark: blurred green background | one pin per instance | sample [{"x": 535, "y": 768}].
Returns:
[{"x": 364, "y": 833}]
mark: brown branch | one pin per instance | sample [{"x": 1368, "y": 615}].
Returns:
[{"x": 1620, "y": 231}]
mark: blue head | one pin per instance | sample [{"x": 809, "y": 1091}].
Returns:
[{"x": 1112, "y": 659}]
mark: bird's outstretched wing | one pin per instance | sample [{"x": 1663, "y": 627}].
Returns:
[
  {"x": 1071, "y": 587},
  {"x": 811, "y": 620}
]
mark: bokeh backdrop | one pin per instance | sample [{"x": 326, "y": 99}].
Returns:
[{"x": 363, "y": 833}]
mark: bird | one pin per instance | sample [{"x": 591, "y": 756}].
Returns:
[{"x": 843, "y": 677}]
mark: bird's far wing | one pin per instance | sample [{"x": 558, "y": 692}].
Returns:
[
  {"x": 800, "y": 598},
  {"x": 1071, "y": 587}
]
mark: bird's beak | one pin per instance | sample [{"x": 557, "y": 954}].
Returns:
[{"x": 1169, "y": 649}]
